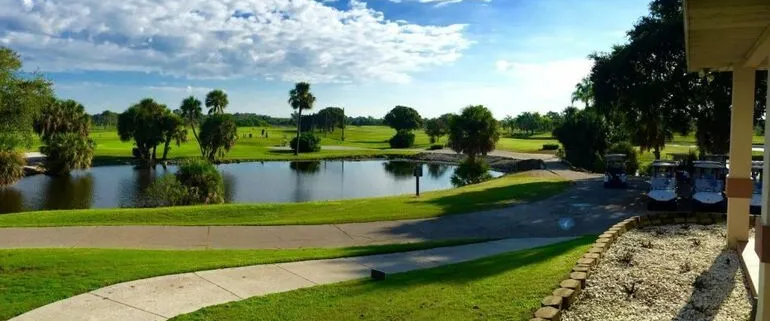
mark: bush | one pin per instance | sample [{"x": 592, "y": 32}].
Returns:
[
  {"x": 67, "y": 152},
  {"x": 202, "y": 181},
  {"x": 308, "y": 143},
  {"x": 402, "y": 139},
  {"x": 550, "y": 146},
  {"x": 471, "y": 173},
  {"x": 11, "y": 167},
  {"x": 436, "y": 147},
  {"x": 632, "y": 155}
]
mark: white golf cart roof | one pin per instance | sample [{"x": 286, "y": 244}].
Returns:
[
  {"x": 664, "y": 163},
  {"x": 708, "y": 164}
]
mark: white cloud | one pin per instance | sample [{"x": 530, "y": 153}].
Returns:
[
  {"x": 281, "y": 39},
  {"x": 543, "y": 85},
  {"x": 438, "y": 3}
]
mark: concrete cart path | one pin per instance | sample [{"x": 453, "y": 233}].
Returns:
[
  {"x": 163, "y": 297},
  {"x": 584, "y": 208}
]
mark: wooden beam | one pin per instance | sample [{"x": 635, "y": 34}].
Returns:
[{"x": 757, "y": 55}]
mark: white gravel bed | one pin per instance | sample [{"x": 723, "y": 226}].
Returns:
[{"x": 673, "y": 272}]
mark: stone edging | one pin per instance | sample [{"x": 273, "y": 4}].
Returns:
[{"x": 568, "y": 290}]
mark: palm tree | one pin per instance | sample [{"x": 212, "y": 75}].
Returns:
[
  {"x": 191, "y": 112},
  {"x": 300, "y": 98},
  {"x": 216, "y": 101},
  {"x": 584, "y": 91}
]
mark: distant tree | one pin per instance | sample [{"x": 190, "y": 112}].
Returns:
[
  {"x": 63, "y": 127},
  {"x": 143, "y": 122},
  {"x": 218, "y": 135},
  {"x": 21, "y": 98},
  {"x": 584, "y": 92},
  {"x": 191, "y": 112},
  {"x": 329, "y": 118},
  {"x": 106, "y": 119},
  {"x": 529, "y": 122},
  {"x": 173, "y": 132},
  {"x": 474, "y": 132},
  {"x": 403, "y": 118},
  {"x": 216, "y": 101},
  {"x": 436, "y": 127},
  {"x": 583, "y": 135},
  {"x": 508, "y": 123},
  {"x": 554, "y": 118},
  {"x": 300, "y": 98}
]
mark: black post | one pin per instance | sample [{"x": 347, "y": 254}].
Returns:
[{"x": 417, "y": 179}]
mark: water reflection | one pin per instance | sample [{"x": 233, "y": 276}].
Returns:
[
  {"x": 400, "y": 169},
  {"x": 305, "y": 167},
  {"x": 437, "y": 170},
  {"x": 123, "y": 186},
  {"x": 11, "y": 200},
  {"x": 74, "y": 191}
]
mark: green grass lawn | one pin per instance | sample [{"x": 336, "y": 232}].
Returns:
[
  {"x": 504, "y": 287},
  {"x": 690, "y": 140},
  {"x": 496, "y": 193},
  {"x": 30, "y": 278},
  {"x": 110, "y": 149}
]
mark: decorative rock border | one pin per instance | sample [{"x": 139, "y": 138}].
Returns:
[{"x": 562, "y": 297}]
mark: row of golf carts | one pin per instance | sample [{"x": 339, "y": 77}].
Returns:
[{"x": 702, "y": 182}]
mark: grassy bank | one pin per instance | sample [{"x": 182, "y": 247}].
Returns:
[
  {"x": 496, "y": 193},
  {"x": 31, "y": 278},
  {"x": 503, "y": 287}
]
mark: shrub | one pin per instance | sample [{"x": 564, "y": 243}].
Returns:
[
  {"x": 471, "y": 172},
  {"x": 550, "y": 146},
  {"x": 402, "y": 139},
  {"x": 11, "y": 167},
  {"x": 436, "y": 147},
  {"x": 202, "y": 181},
  {"x": 308, "y": 143},
  {"x": 632, "y": 156},
  {"x": 165, "y": 191},
  {"x": 67, "y": 152}
]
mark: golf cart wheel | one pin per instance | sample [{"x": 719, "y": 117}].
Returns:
[{"x": 650, "y": 205}]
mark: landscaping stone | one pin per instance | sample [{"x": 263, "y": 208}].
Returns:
[
  {"x": 548, "y": 313},
  {"x": 604, "y": 240},
  {"x": 581, "y": 268},
  {"x": 596, "y": 249},
  {"x": 572, "y": 283},
  {"x": 568, "y": 296},
  {"x": 587, "y": 262},
  {"x": 537, "y": 319},
  {"x": 609, "y": 235},
  {"x": 594, "y": 256},
  {"x": 580, "y": 277},
  {"x": 552, "y": 301}
]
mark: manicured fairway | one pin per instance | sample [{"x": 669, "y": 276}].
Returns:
[
  {"x": 503, "y": 287},
  {"x": 31, "y": 278},
  {"x": 496, "y": 193}
]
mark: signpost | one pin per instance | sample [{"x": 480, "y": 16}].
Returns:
[{"x": 417, "y": 175}]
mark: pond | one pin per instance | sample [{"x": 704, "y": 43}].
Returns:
[{"x": 253, "y": 182}]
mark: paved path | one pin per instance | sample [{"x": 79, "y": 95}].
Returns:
[
  {"x": 585, "y": 208},
  {"x": 161, "y": 298}
]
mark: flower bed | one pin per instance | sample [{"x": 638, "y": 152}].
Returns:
[{"x": 680, "y": 271}]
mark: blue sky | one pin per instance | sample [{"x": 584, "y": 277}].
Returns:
[{"x": 367, "y": 56}]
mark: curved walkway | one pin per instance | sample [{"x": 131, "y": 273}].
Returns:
[
  {"x": 584, "y": 208},
  {"x": 164, "y": 297}
]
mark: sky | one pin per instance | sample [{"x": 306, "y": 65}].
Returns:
[{"x": 367, "y": 56}]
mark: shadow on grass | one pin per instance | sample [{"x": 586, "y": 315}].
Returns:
[{"x": 498, "y": 197}]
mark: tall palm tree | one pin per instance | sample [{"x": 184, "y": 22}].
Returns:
[
  {"x": 191, "y": 112},
  {"x": 584, "y": 91},
  {"x": 300, "y": 98},
  {"x": 216, "y": 101}
]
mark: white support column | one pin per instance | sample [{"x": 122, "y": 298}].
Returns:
[
  {"x": 763, "y": 288},
  {"x": 739, "y": 186}
]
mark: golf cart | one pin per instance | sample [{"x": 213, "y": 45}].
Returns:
[
  {"x": 662, "y": 184},
  {"x": 709, "y": 184},
  {"x": 615, "y": 175},
  {"x": 756, "y": 178}
]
